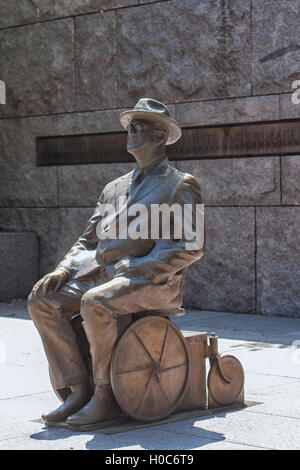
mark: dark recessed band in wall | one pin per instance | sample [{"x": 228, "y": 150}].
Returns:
[{"x": 237, "y": 140}]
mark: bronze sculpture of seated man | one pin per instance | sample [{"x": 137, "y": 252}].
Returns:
[{"x": 105, "y": 278}]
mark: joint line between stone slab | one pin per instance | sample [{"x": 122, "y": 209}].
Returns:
[
  {"x": 99, "y": 11},
  {"x": 75, "y": 59},
  {"x": 255, "y": 260}
]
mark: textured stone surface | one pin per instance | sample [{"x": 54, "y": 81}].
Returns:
[
  {"x": 237, "y": 181},
  {"x": 235, "y": 110},
  {"x": 37, "y": 64},
  {"x": 224, "y": 278},
  {"x": 81, "y": 185},
  {"x": 96, "y": 73},
  {"x": 69, "y": 7},
  {"x": 276, "y": 45},
  {"x": 72, "y": 222},
  {"x": 215, "y": 60},
  {"x": 89, "y": 122},
  {"x": 18, "y": 254},
  {"x": 14, "y": 12},
  {"x": 289, "y": 110},
  {"x": 290, "y": 174},
  {"x": 42, "y": 222},
  {"x": 278, "y": 261},
  {"x": 21, "y": 182}
]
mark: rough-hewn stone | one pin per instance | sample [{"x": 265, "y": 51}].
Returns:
[
  {"x": 37, "y": 64},
  {"x": 278, "y": 261},
  {"x": 96, "y": 72},
  {"x": 15, "y": 12},
  {"x": 21, "y": 182},
  {"x": 18, "y": 254},
  {"x": 72, "y": 222},
  {"x": 289, "y": 110},
  {"x": 224, "y": 278},
  {"x": 214, "y": 62},
  {"x": 276, "y": 45},
  {"x": 89, "y": 122},
  {"x": 228, "y": 111},
  {"x": 42, "y": 222},
  {"x": 237, "y": 181},
  {"x": 290, "y": 175},
  {"x": 81, "y": 185},
  {"x": 69, "y": 7}
]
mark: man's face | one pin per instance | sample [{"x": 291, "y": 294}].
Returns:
[{"x": 141, "y": 135}]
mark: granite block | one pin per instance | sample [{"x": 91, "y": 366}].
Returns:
[
  {"x": 237, "y": 181},
  {"x": 37, "y": 64},
  {"x": 215, "y": 61},
  {"x": 224, "y": 278},
  {"x": 19, "y": 254},
  {"x": 278, "y": 261}
]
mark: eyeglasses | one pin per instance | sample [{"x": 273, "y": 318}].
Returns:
[{"x": 136, "y": 126}]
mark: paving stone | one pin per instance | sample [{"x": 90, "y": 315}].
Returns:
[
  {"x": 243, "y": 328},
  {"x": 275, "y": 42},
  {"x": 237, "y": 181},
  {"x": 215, "y": 60},
  {"x": 46, "y": 52},
  {"x": 228, "y": 111},
  {"x": 245, "y": 427},
  {"x": 280, "y": 400},
  {"x": 275, "y": 360},
  {"x": 223, "y": 279},
  {"x": 278, "y": 261},
  {"x": 290, "y": 174},
  {"x": 18, "y": 254}
]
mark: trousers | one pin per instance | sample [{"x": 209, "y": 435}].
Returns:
[{"x": 100, "y": 307}]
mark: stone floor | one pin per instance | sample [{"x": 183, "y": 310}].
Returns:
[{"x": 264, "y": 345}]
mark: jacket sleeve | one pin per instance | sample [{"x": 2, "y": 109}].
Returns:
[{"x": 172, "y": 255}]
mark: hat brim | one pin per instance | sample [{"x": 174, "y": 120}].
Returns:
[{"x": 174, "y": 130}]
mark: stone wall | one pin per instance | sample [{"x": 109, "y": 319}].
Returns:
[{"x": 70, "y": 67}]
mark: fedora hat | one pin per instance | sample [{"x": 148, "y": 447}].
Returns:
[{"x": 153, "y": 110}]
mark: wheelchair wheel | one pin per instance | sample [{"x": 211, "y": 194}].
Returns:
[{"x": 150, "y": 369}]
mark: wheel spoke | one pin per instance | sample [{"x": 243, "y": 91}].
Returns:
[
  {"x": 163, "y": 346},
  {"x": 141, "y": 342},
  {"x": 172, "y": 367},
  {"x": 134, "y": 370},
  {"x": 162, "y": 389},
  {"x": 143, "y": 396}
]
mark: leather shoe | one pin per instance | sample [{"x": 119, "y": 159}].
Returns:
[
  {"x": 101, "y": 407},
  {"x": 79, "y": 396}
]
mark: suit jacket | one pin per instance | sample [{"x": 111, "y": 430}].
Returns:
[{"x": 160, "y": 264}]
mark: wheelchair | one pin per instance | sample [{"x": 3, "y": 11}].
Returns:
[{"x": 155, "y": 371}]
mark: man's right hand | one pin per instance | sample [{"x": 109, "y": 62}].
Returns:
[{"x": 52, "y": 281}]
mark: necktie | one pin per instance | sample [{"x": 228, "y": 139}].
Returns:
[{"x": 138, "y": 177}]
